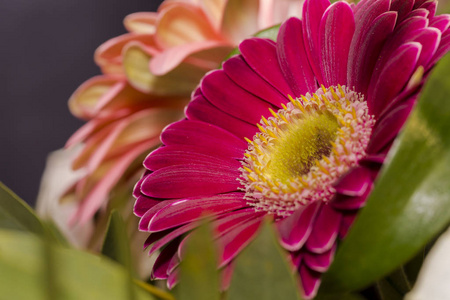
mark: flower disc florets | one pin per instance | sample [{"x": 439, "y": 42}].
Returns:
[{"x": 304, "y": 148}]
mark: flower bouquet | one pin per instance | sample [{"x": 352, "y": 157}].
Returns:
[{"x": 253, "y": 149}]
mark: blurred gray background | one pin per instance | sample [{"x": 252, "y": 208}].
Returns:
[{"x": 46, "y": 51}]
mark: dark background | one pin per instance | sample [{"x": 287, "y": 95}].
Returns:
[{"x": 46, "y": 52}]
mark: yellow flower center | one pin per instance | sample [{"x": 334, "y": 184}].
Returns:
[{"x": 304, "y": 148}]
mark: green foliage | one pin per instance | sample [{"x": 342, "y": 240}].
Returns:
[
  {"x": 262, "y": 271},
  {"x": 34, "y": 269},
  {"x": 15, "y": 214},
  {"x": 117, "y": 245},
  {"x": 199, "y": 278},
  {"x": 411, "y": 200}
]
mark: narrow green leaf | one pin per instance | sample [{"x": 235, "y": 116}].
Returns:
[
  {"x": 411, "y": 200},
  {"x": 199, "y": 277},
  {"x": 16, "y": 214},
  {"x": 116, "y": 244},
  {"x": 262, "y": 272},
  {"x": 73, "y": 274},
  {"x": 387, "y": 291}
]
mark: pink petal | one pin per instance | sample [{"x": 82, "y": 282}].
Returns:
[
  {"x": 168, "y": 237},
  {"x": 167, "y": 60},
  {"x": 143, "y": 204},
  {"x": 293, "y": 59},
  {"x": 172, "y": 280},
  {"x": 236, "y": 240},
  {"x": 347, "y": 222},
  {"x": 202, "y": 110},
  {"x": 295, "y": 229},
  {"x": 444, "y": 47},
  {"x": 223, "y": 93},
  {"x": 393, "y": 77},
  {"x": 212, "y": 138},
  {"x": 325, "y": 230},
  {"x": 141, "y": 22},
  {"x": 240, "y": 19},
  {"x": 388, "y": 127},
  {"x": 96, "y": 197},
  {"x": 360, "y": 71},
  {"x": 312, "y": 14},
  {"x": 162, "y": 262},
  {"x": 190, "y": 181},
  {"x": 336, "y": 31},
  {"x": 441, "y": 22},
  {"x": 403, "y": 7},
  {"x": 229, "y": 221},
  {"x": 148, "y": 216},
  {"x": 429, "y": 38},
  {"x": 182, "y": 24},
  {"x": 166, "y": 156},
  {"x": 226, "y": 276},
  {"x": 363, "y": 19},
  {"x": 344, "y": 202},
  {"x": 191, "y": 210},
  {"x": 241, "y": 73},
  {"x": 319, "y": 262},
  {"x": 265, "y": 62},
  {"x": 354, "y": 183},
  {"x": 309, "y": 281}
]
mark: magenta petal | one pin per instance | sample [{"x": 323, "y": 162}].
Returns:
[
  {"x": 154, "y": 236},
  {"x": 223, "y": 93},
  {"x": 202, "y": 110},
  {"x": 347, "y": 222},
  {"x": 361, "y": 67},
  {"x": 233, "y": 219},
  {"x": 444, "y": 47},
  {"x": 241, "y": 73},
  {"x": 312, "y": 14},
  {"x": 309, "y": 281},
  {"x": 431, "y": 7},
  {"x": 325, "y": 230},
  {"x": 344, "y": 202},
  {"x": 189, "y": 181},
  {"x": 429, "y": 38},
  {"x": 265, "y": 62},
  {"x": 226, "y": 276},
  {"x": 143, "y": 204},
  {"x": 191, "y": 210},
  {"x": 211, "y": 138},
  {"x": 168, "y": 237},
  {"x": 319, "y": 262},
  {"x": 162, "y": 262},
  {"x": 363, "y": 18},
  {"x": 237, "y": 239},
  {"x": 172, "y": 280},
  {"x": 393, "y": 77},
  {"x": 295, "y": 229},
  {"x": 441, "y": 22},
  {"x": 166, "y": 156},
  {"x": 293, "y": 59},
  {"x": 354, "y": 183},
  {"x": 423, "y": 13},
  {"x": 403, "y": 7},
  {"x": 146, "y": 218},
  {"x": 388, "y": 127},
  {"x": 336, "y": 32}
]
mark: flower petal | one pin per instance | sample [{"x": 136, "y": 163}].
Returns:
[
  {"x": 325, "y": 230},
  {"x": 336, "y": 32},
  {"x": 293, "y": 59},
  {"x": 141, "y": 22},
  {"x": 309, "y": 280},
  {"x": 319, "y": 262},
  {"x": 354, "y": 183},
  {"x": 295, "y": 229},
  {"x": 240, "y": 19}
]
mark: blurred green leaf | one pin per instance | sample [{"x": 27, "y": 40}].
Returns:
[
  {"x": 16, "y": 214},
  {"x": 411, "y": 200},
  {"x": 262, "y": 271},
  {"x": 387, "y": 291},
  {"x": 117, "y": 245},
  {"x": 33, "y": 269},
  {"x": 339, "y": 297},
  {"x": 199, "y": 277}
]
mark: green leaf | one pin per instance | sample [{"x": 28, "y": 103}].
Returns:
[
  {"x": 116, "y": 244},
  {"x": 199, "y": 277},
  {"x": 16, "y": 214},
  {"x": 33, "y": 269},
  {"x": 262, "y": 272},
  {"x": 411, "y": 200},
  {"x": 339, "y": 297}
]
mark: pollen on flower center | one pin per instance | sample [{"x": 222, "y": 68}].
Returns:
[{"x": 303, "y": 148}]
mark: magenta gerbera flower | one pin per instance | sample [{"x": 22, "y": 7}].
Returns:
[{"x": 296, "y": 129}]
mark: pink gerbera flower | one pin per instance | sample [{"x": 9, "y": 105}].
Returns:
[{"x": 296, "y": 129}]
